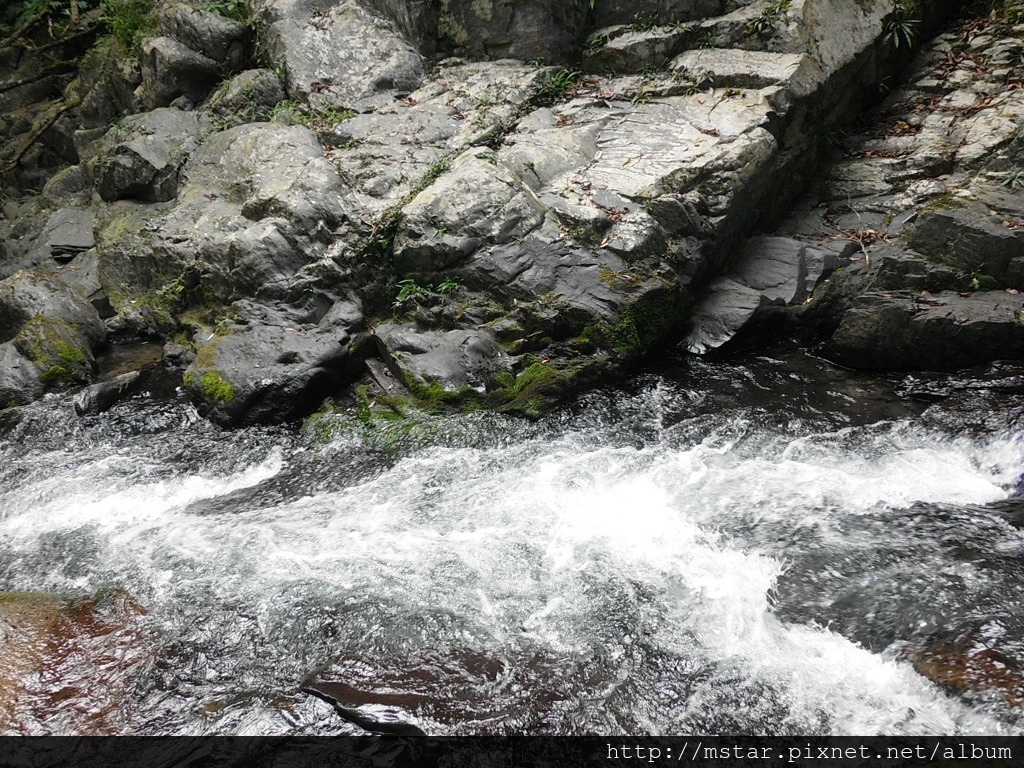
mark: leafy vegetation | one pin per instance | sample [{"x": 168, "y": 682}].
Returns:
[
  {"x": 411, "y": 291},
  {"x": 556, "y": 87},
  {"x": 767, "y": 20},
  {"x": 319, "y": 119},
  {"x": 1013, "y": 178},
  {"x": 230, "y": 9},
  {"x": 901, "y": 29},
  {"x": 128, "y": 21}
]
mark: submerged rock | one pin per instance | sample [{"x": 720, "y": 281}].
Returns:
[{"x": 69, "y": 666}]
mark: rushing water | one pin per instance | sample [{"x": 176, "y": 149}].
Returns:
[{"x": 735, "y": 547}]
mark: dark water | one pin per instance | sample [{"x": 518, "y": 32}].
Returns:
[{"x": 758, "y": 545}]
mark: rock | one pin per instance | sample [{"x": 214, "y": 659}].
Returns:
[
  {"x": 343, "y": 55},
  {"x": 968, "y": 238},
  {"x": 19, "y": 377},
  {"x": 275, "y": 367},
  {"x": 257, "y": 204},
  {"x": 970, "y": 665},
  {"x": 104, "y": 395},
  {"x": 450, "y": 360},
  {"x": 70, "y": 665},
  {"x": 525, "y": 30},
  {"x": 479, "y": 202},
  {"x": 727, "y": 307},
  {"x": 171, "y": 69},
  {"x": 737, "y": 68},
  {"x": 941, "y": 332},
  {"x": 68, "y": 187},
  {"x": 68, "y": 232},
  {"x": 248, "y": 97},
  {"x": 141, "y": 158},
  {"x": 211, "y": 34},
  {"x": 770, "y": 271},
  {"x": 26, "y": 296}
]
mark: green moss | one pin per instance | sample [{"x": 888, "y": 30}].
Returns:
[
  {"x": 946, "y": 202},
  {"x": 215, "y": 388},
  {"x": 534, "y": 391},
  {"x": 648, "y": 322},
  {"x": 56, "y": 349}
]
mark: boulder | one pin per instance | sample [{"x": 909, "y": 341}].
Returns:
[
  {"x": 102, "y": 396},
  {"x": 968, "y": 238},
  {"x": 248, "y": 97},
  {"x": 525, "y": 29},
  {"x": 341, "y": 55},
  {"x": 26, "y": 296},
  {"x": 275, "y": 364},
  {"x": 940, "y": 332},
  {"x": 141, "y": 157},
  {"x": 171, "y": 69},
  {"x": 478, "y": 202},
  {"x": 215, "y": 36},
  {"x": 68, "y": 232}
]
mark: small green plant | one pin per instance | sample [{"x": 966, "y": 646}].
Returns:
[
  {"x": 976, "y": 276},
  {"x": 448, "y": 286},
  {"x": 1013, "y": 178},
  {"x": 766, "y": 21},
  {"x": 230, "y": 9},
  {"x": 432, "y": 174},
  {"x": 901, "y": 27},
  {"x": 556, "y": 87},
  {"x": 320, "y": 119},
  {"x": 411, "y": 291},
  {"x": 407, "y": 291},
  {"x": 128, "y": 21}
]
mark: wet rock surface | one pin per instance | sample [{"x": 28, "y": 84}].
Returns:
[{"x": 95, "y": 646}]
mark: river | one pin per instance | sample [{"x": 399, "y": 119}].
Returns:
[{"x": 756, "y": 545}]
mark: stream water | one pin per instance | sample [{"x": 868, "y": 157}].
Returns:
[{"x": 756, "y": 545}]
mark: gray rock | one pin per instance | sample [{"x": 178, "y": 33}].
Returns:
[
  {"x": 248, "y": 97},
  {"x": 26, "y": 296},
  {"x": 171, "y": 69},
  {"x": 771, "y": 271},
  {"x": 478, "y": 202},
  {"x": 215, "y": 36},
  {"x": 967, "y": 238},
  {"x": 450, "y": 359},
  {"x": 341, "y": 54},
  {"x": 737, "y": 68},
  {"x": 940, "y": 332},
  {"x": 727, "y": 307},
  {"x": 19, "y": 377},
  {"x": 68, "y": 186},
  {"x": 68, "y": 233},
  {"x": 525, "y": 29},
  {"x": 141, "y": 157},
  {"x": 272, "y": 366}
]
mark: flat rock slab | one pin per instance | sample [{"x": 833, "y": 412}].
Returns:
[{"x": 940, "y": 332}]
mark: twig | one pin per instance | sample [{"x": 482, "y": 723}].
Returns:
[{"x": 36, "y": 134}]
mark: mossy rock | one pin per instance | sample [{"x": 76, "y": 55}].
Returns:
[
  {"x": 212, "y": 387},
  {"x": 59, "y": 352}
]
